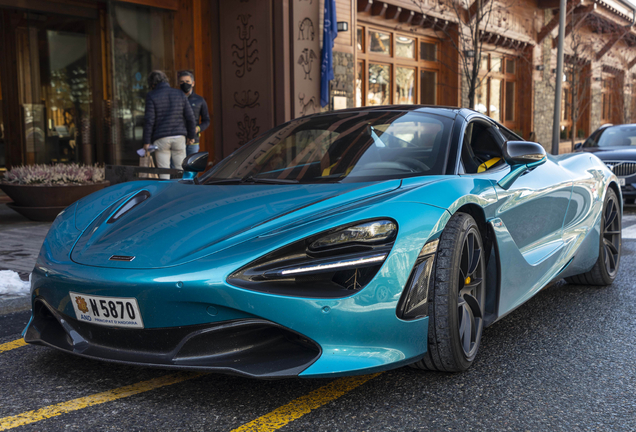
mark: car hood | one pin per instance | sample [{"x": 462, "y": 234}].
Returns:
[
  {"x": 179, "y": 222},
  {"x": 613, "y": 153}
]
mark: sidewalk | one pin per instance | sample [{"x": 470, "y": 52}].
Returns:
[{"x": 20, "y": 242}]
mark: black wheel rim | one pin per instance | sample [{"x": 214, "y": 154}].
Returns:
[
  {"x": 470, "y": 296},
  {"x": 611, "y": 236}
]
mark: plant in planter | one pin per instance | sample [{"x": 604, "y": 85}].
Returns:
[{"x": 40, "y": 192}]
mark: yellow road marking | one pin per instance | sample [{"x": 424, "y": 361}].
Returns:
[
  {"x": 96, "y": 399},
  {"x": 12, "y": 345},
  {"x": 304, "y": 404}
]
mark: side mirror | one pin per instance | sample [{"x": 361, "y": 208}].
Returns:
[
  {"x": 521, "y": 155},
  {"x": 578, "y": 146},
  {"x": 194, "y": 164}
]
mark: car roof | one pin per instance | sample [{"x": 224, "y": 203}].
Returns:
[{"x": 446, "y": 111}]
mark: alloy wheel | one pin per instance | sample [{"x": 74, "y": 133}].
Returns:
[
  {"x": 469, "y": 308},
  {"x": 611, "y": 236}
]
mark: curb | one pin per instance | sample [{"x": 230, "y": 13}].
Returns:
[{"x": 14, "y": 303}]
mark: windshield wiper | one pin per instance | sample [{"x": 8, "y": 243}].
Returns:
[
  {"x": 223, "y": 181},
  {"x": 250, "y": 179}
]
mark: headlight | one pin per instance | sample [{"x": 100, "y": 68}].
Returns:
[
  {"x": 331, "y": 264},
  {"x": 366, "y": 233}
]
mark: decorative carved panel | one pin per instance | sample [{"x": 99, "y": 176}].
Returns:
[
  {"x": 305, "y": 57},
  {"x": 246, "y": 71}
]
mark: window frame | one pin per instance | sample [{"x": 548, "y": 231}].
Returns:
[
  {"x": 365, "y": 58},
  {"x": 488, "y": 74}
]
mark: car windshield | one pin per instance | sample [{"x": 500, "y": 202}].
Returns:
[
  {"x": 615, "y": 136},
  {"x": 341, "y": 147}
]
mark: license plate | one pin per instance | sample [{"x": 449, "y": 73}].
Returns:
[
  {"x": 621, "y": 181},
  {"x": 107, "y": 311}
]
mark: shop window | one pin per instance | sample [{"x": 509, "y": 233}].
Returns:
[
  {"x": 380, "y": 42},
  {"x": 428, "y": 51},
  {"x": 510, "y": 100},
  {"x": 495, "y": 99},
  {"x": 510, "y": 66},
  {"x": 405, "y": 85},
  {"x": 428, "y": 84},
  {"x": 496, "y": 95},
  {"x": 379, "y": 84},
  {"x": 405, "y": 47},
  {"x": 360, "y": 83},
  {"x": 360, "y": 39},
  {"x": 389, "y": 72}
]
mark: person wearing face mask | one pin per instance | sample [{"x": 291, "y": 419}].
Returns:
[
  {"x": 168, "y": 122},
  {"x": 199, "y": 108}
]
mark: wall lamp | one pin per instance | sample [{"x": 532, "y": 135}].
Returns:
[
  {"x": 540, "y": 67},
  {"x": 469, "y": 53},
  {"x": 343, "y": 26}
]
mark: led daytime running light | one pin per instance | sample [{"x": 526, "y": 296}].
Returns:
[{"x": 340, "y": 264}]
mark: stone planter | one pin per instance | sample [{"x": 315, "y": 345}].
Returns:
[{"x": 43, "y": 203}]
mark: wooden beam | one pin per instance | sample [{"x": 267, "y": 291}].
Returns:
[
  {"x": 378, "y": 8},
  {"x": 548, "y": 4},
  {"x": 406, "y": 16},
  {"x": 472, "y": 10},
  {"x": 613, "y": 41},
  {"x": 162, "y": 4},
  {"x": 631, "y": 64},
  {"x": 86, "y": 10},
  {"x": 418, "y": 19},
  {"x": 579, "y": 18},
  {"x": 551, "y": 25},
  {"x": 364, "y": 5},
  {"x": 547, "y": 29},
  {"x": 429, "y": 22},
  {"x": 392, "y": 12}
]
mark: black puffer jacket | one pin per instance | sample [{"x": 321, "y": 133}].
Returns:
[{"x": 168, "y": 113}]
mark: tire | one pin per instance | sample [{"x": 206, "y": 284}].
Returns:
[
  {"x": 456, "y": 321},
  {"x": 609, "y": 255}
]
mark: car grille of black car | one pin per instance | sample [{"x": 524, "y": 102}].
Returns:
[{"x": 622, "y": 168}]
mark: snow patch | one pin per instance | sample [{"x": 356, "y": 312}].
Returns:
[{"x": 10, "y": 283}]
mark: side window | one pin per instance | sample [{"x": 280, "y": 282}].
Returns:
[{"x": 481, "y": 148}]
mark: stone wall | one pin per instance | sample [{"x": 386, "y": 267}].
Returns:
[
  {"x": 343, "y": 77},
  {"x": 595, "y": 108},
  {"x": 544, "y": 94}
]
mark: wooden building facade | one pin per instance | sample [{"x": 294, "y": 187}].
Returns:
[{"x": 73, "y": 75}]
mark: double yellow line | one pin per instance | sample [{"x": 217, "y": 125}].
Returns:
[{"x": 267, "y": 423}]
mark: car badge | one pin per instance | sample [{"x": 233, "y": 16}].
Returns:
[
  {"x": 121, "y": 258},
  {"x": 81, "y": 304}
]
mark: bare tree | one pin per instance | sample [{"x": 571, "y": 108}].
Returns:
[{"x": 470, "y": 20}]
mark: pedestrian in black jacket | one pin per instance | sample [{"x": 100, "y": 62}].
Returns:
[
  {"x": 199, "y": 107},
  {"x": 168, "y": 121}
]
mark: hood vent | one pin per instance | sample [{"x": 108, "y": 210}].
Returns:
[{"x": 129, "y": 205}]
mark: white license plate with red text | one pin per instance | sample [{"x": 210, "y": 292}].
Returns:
[{"x": 107, "y": 311}]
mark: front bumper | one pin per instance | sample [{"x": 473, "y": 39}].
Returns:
[
  {"x": 274, "y": 336},
  {"x": 248, "y": 347}
]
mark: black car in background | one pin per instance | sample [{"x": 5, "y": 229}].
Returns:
[{"x": 616, "y": 146}]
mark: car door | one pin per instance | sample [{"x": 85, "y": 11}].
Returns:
[{"x": 527, "y": 218}]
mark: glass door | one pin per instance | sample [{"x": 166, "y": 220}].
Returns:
[
  {"x": 141, "y": 42},
  {"x": 54, "y": 89}
]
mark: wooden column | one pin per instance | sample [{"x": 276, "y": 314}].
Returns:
[
  {"x": 10, "y": 91},
  {"x": 193, "y": 51}
]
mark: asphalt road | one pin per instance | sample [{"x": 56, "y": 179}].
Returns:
[{"x": 566, "y": 360}]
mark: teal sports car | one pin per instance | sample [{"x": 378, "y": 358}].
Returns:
[{"x": 335, "y": 244}]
